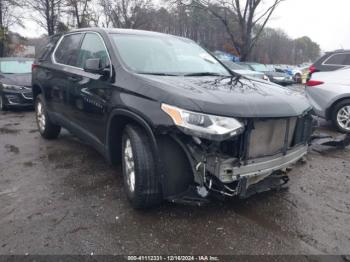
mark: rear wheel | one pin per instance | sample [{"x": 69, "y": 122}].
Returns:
[
  {"x": 47, "y": 129},
  {"x": 341, "y": 116},
  {"x": 140, "y": 177}
]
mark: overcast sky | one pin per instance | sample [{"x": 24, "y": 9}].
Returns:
[{"x": 325, "y": 22}]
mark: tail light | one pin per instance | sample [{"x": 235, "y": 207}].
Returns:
[
  {"x": 314, "y": 83},
  {"x": 312, "y": 69},
  {"x": 34, "y": 66}
]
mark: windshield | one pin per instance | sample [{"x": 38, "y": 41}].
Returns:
[
  {"x": 260, "y": 67},
  {"x": 234, "y": 66},
  {"x": 166, "y": 55},
  {"x": 245, "y": 66},
  {"x": 16, "y": 67}
]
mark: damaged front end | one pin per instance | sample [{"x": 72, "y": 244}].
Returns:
[{"x": 246, "y": 161}]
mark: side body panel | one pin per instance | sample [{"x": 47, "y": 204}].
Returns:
[{"x": 336, "y": 87}]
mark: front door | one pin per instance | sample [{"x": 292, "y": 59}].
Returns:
[{"x": 89, "y": 93}]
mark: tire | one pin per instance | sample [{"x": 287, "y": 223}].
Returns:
[
  {"x": 47, "y": 129},
  {"x": 2, "y": 103},
  {"x": 141, "y": 181},
  {"x": 342, "y": 111}
]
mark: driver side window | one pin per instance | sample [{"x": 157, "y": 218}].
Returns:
[{"x": 93, "y": 47}]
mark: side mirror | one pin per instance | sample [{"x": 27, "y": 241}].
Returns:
[{"x": 93, "y": 65}]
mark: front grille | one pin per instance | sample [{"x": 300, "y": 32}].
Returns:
[
  {"x": 272, "y": 136},
  {"x": 269, "y": 137}
]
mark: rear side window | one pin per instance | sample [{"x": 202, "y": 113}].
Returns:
[
  {"x": 46, "y": 48},
  {"x": 338, "y": 59},
  {"x": 92, "y": 47},
  {"x": 68, "y": 50}
]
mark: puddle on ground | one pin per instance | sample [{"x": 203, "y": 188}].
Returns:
[
  {"x": 4, "y": 130},
  {"x": 12, "y": 149}
]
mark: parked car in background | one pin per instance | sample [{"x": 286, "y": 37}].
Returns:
[
  {"x": 292, "y": 71},
  {"x": 223, "y": 56},
  {"x": 182, "y": 125},
  {"x": 331, "y": 61},
  {"x": 329, "y": 94},
  {"x": 15, "y": 82},
  {"x": 296, "y": 74},
  {"x": 280, "y": 78},
  {"x": 243, "y": 71}
]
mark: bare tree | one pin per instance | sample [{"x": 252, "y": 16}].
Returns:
[
  {"x": 9, "y": 16},
  {"x": 48, "y": 13},
  {"x": 80, "y": 10},
  {"x": 126, "y": 13},
  {"x": 249, "y": 16}
]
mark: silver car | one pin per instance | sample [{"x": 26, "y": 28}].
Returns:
[
  {"x": 329, "y": 94},
  {"x": 243, "y": 71}
]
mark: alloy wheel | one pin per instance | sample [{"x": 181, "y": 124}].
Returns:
[
  {"x": 129, "y": 165},
  {"x": 343, "y": 117},
  {"x": 40, "y": 115}
]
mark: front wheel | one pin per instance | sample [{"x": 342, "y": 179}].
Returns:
[
  {"x": 341, "y": 116},
  {"x": 140, "y": 177},
  {"x": 47, "y": 129}
]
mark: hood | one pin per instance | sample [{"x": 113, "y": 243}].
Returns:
[
  {"x": 17, "y": 79},
  {"x": 227, "y": 97}
]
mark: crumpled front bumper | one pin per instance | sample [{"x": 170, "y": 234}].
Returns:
[
  {"x": 257, "y": 169},
  {"x": 254, "y": 161}
]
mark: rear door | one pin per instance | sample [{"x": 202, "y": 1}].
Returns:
[{"x": 63, "y": 71}]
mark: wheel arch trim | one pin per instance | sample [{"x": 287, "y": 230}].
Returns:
[
  {"x": 139, "y": 120},
  {"x": 336, "y": 101},
  {"x": 36, "y": 86}
]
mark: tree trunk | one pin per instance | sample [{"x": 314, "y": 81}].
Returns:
[{"x": 2, "y": 32}]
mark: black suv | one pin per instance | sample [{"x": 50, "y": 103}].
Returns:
[
  {"x": 183, "y": 125},
  {"x": 331, "y": 61}
]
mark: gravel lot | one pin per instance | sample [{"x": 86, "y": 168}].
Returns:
[{"x": 61, "y": 197}]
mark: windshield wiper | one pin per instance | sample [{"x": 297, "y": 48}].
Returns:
[
  {"x": 204, "y": 74},
  {"x": 157, "y": 74}
]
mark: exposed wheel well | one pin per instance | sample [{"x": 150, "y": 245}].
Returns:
[
  {"x": 174, "y": 166},
  {"x": 331, "y": 108},
  {"x": 115, "y": 132}
]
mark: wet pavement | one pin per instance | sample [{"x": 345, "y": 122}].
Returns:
[{"x": 62, "y": 197}]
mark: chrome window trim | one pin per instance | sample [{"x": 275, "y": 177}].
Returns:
[
  {"x": 58, "y": 44},
  {"x": 325, "y": 62},
  {"x": 83, "y": 33}
]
